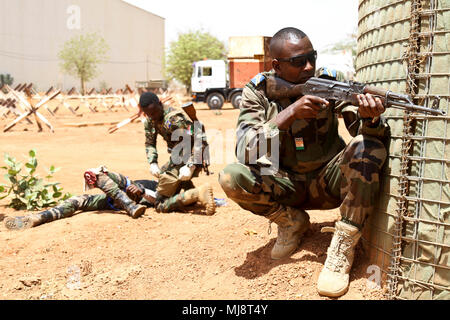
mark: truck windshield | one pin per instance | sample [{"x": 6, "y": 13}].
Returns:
[{"x": 207, "y": 71}]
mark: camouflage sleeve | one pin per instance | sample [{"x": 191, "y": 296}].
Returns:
[
  {"x": 356, "y": 126},
  {"x": 150, "y": 142},
  {"x": 178, "y": 121},
  {"x": 254, "y": 129},
  {"x": 188, "y": 125}
]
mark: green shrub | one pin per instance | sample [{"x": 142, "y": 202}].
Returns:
[{"x": 28, "y": 191}]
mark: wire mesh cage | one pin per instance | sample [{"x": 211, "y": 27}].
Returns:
[{"x": 404, "y": 46}]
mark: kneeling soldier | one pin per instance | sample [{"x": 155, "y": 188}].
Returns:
[{"x": 176, "y": 175}]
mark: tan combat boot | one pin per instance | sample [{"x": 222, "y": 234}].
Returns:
[
  {"x": 28, "y": 221},
  {"x": 204, "y": 195},
  {"x": 334, "y": 278},
  {"x": 292, "y": 224}
]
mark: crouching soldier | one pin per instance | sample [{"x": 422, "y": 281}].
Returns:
[{"x": 315, "y": 169}]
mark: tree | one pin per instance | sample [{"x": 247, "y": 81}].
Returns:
[
  {"x": 190, "y": 47},
  {"x": 6, "y": 79},
  {"x": 81, "y": 55},
  {"x": 348, "y": 44}
]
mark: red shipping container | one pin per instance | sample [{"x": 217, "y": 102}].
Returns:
[
  {"x": 248, "y": 56},
  {"x": 241, "y": 72}
]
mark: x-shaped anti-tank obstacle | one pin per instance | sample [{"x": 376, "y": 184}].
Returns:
[{"x": 31, "y": 109}]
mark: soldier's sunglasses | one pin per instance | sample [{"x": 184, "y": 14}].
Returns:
[{"x": 300, "y": 60}]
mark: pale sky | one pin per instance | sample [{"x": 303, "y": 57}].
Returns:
[{"x": 324, "y": 21}]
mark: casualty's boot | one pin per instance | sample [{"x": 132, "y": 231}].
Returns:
[
  {"x": 292, "y": 224},
  {"x": 334, "y": 278},
  {"x": 132, "y": 208},
  {"x": 108, "y": 186},
  {"x": 28, "y": 221},
  {"x": 203, "y": 194}
]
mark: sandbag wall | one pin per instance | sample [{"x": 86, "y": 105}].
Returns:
[{"x": 404, "y": 46}]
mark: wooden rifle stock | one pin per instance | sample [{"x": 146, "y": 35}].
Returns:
[
  {"x": 277, "y": 88},
  {"x": 190, "y": 111}
]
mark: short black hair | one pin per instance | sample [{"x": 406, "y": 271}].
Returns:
[
  {"x": 284, "y": 34},
  {"x": 148, "y": 98}
]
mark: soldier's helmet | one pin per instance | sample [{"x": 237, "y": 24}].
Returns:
[{"x": 331, "y": 74}]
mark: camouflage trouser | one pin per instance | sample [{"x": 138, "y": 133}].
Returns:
[
  {"x": 86, "y": 202},
  {"x": 81, "y": 203},
  {"x": 169, "y": 188},
  {"x": 113, "y": 184},
  {"x": 349, "y": 181}
]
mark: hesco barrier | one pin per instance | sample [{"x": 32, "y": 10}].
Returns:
[{"x": 404, "y": 46}]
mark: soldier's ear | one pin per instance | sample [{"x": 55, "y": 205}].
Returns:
[{"x": 276, "y": 65}]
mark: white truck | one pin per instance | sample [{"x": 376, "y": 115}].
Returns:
[{"x": 211, "y": 83}]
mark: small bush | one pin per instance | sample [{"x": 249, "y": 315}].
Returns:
[{"x": 28, "y": 191}]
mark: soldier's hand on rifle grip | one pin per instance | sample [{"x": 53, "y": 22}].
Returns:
[
  {"x": 308, "y": 107},
  {"x": 369, "y": 106}
]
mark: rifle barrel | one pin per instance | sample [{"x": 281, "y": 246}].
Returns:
[{"x": 413, "y": 107}]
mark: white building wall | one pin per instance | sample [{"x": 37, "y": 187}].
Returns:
[{"x": 32, "y": 33}]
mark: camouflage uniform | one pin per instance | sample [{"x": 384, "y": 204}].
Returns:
[
  {"x": 110, "y": 186},
  {"x": 114, "y": 185},
  {"x": 317, "y": 170},
  {"x": 86, "y": 202},
  {"x": 169, "y": 186},
  {"x": 327, "y": 73}
]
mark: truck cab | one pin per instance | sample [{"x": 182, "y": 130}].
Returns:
[
  {"x": 208, "y": 74},
  {"x": 209, "y": 84}
]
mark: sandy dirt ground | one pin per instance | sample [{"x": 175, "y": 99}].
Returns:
[{"x": 183, "y": 255}]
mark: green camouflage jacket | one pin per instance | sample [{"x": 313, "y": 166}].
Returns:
[
  {"x": 307, "y": 145},
  {"x": 173, "y": 120}
]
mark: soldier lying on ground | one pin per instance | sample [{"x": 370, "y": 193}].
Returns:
[
  {"x": 177, "y": 173},
  {"x": 316, "y": 169},
  {"x": 120, "y": 193}
]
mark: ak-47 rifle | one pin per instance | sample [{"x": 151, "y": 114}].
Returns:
[
  {"x": 277, "y": 88},
  {"x": 201, "y": 152}
]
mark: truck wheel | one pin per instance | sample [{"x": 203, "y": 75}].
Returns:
[
  {"x": 215, "y": 100},
  {"x": 236, "y": 100}
]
